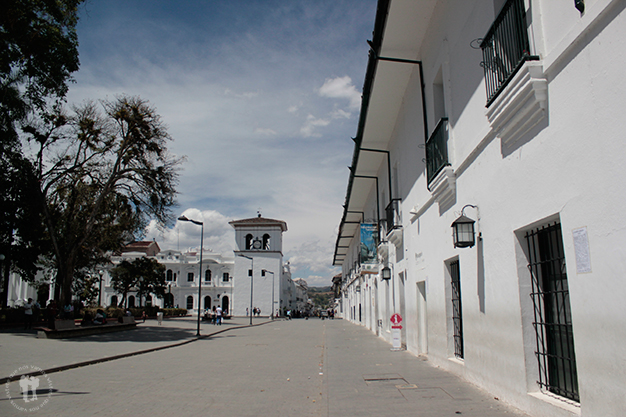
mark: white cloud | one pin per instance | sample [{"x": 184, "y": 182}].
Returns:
[
  {"x": 265, "y": 131},
  {"x": 311, "y": 123},
  {"x": 341, "y": 87},
  {"x": 239, "y": 89}
]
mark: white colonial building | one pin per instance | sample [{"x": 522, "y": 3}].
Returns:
[
  {"x": 224, "y": 279},
  {"x": 506, "y": 116}
]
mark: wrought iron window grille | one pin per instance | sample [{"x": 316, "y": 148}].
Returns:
[
  {"x": 552, "y": 313},
  {"x": 505, "y": 48},
  {"x": 437, "y": 150},
  {"x": 393, "y": 219},
  {"x": 457, "y": 312}
]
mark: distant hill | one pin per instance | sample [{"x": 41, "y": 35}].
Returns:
[
  {"x": 320, "y": 289},
  {"x": 321, "y": 296}
]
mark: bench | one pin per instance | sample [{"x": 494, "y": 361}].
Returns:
[{"x": 67, "y": 328}]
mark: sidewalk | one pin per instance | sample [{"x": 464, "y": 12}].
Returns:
[{"x": 23, "y": 347}]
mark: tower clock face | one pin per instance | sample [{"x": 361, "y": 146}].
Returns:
[{"x": 256, "y": 244}]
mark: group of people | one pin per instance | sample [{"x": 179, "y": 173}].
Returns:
[{"x": 214, "y": 316}]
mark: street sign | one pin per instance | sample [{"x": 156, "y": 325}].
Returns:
[{"x": 396, "y": 319}]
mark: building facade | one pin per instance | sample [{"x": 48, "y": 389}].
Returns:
[
  {"x": 506, "y": 115},
  {"x": 225, "y": 279},
  {"x": 264, "y": 281}
]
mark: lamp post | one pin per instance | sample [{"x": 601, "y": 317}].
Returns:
[
  {"x": 263, "y": 272},
  {"x": 251, "y": 282},
  {"x": 101, "y": 273},
  {"x": 185, "y": 219}
]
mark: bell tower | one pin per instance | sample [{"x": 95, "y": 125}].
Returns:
[{"x": 258, "y": 260}]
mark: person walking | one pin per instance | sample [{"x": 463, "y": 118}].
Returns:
[
  {"x": 218, "y": 313},
  {"x": 28, "y": 314}
]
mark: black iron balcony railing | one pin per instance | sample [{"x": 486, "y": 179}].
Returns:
[
  {"x": 393, "y": 219},
  {"x": 437, "y": 150},
  {"x": 505, "y": 48}
]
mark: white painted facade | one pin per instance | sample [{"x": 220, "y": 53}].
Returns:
[
  {"x": 258, "y": 244},
  {"x": 225, "y": 279},
  {"x": 182, "y": 279},
  {"x": 542, "y": 153}
]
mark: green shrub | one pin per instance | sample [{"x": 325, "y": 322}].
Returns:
[{"x": 174, "y": 312}]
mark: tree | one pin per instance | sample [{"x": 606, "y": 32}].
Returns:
[
  {"x": 151, "y": 278},
  {"x": 21, "y": 226},
  {"x": 123, "y": 279},
  {"x": 143, "y": 275},
  {"x": 38, "y": 54},
  {"x": 103, "y": 173}
]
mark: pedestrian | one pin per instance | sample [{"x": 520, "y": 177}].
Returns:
[
  {"x": 247, "y": 312},
  {"x": 28, "y": 314},
  {"x": 218, "y": 313},
  {"x": 144, "y": 316},
  {"x": 52, "y": 313}
]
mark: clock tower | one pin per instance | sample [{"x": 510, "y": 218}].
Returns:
[{"x": 258, "y": 260}]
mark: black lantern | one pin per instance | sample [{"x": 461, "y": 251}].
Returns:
[
  {"x": 463, "y": 231},
  {"x": 386, "y": 273}
]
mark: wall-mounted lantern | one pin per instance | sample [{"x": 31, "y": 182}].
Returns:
[
  {"x": 463, "y": 233},
  {"x": 386, "y": 273},
  {"x": 580, "y": 5}
]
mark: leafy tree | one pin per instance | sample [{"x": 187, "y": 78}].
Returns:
[
  {"x": 144, "y": 275},
  {"x": 151, "y": 278},
  {"x": 103, "y": 173},
  {"x": 38, "y": 54},
  {"x": 21, "y": 227},
  {"x": 123, "y": 279}
]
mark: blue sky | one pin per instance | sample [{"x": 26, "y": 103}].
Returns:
[{"x": 261, "y": 96}]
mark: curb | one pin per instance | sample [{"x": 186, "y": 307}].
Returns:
[{"x": 124, "y": 355}]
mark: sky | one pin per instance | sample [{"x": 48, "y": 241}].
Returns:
[{"x": 261, "y": 96}]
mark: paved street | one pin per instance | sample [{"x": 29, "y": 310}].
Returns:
[{"x": 283, "y": 368}]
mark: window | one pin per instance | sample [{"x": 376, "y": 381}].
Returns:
[
  {"x": 552, "y": 313},
  {"x": 207, "y": 275},
  {"x": 248, "y": 241},
  {"x": 189, "y": 276},
  {"x": 457, "y": 310},
  {"x": 225, "y": 277},
  {"x": 437, "y": 150},
  {"x": 168, "y": 275},
  {"x": 189, "y": 302},
  {"x": 266, "y": 242},
  {"x": 207, "y": 302},
  {"x": 505, "y": 47}
]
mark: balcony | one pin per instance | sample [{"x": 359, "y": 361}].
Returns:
[
  {"x": 393, "y": 216},
  {"x": 505, "y": 48},
  {"x": 437, "y": 150}
]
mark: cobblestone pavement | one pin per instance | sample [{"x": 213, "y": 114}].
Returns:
[{"x": 282, "y": 368}]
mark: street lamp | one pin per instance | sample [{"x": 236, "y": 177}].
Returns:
[
  {"x": 263, "y": 271},
  {"x": 185, "y": 219},
  {"x": 251, "y": 276},
  {"x": 101, "y": 273}
]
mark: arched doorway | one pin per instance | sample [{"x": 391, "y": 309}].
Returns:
[
  {"x": 114, "y": 301},
  {"x": 169, "y": 300},
  {"x": 131, "y": 301},
  {"x": 225, "y": 304},
  {"x": 207, "y": 302}
]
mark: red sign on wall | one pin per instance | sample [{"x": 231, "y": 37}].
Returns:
[{"x": 396, "y": 319}]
